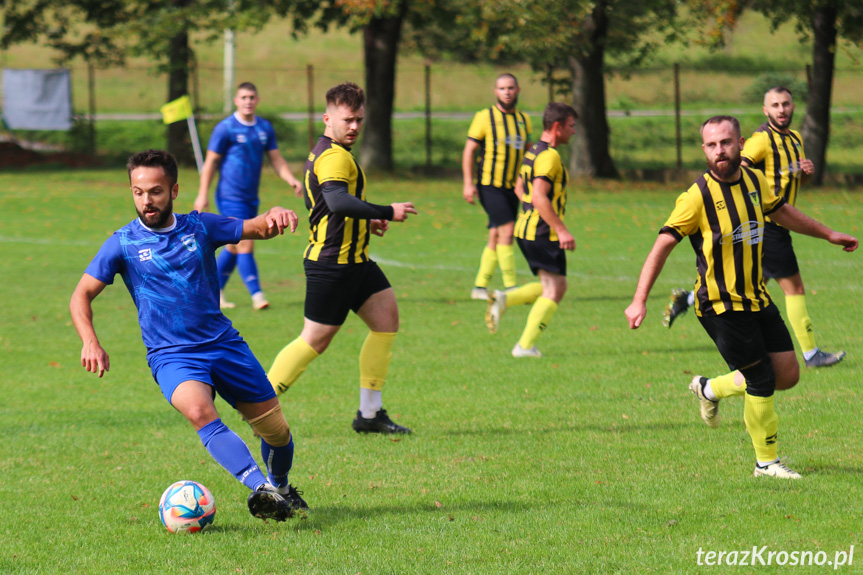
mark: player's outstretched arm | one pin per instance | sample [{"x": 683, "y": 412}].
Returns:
[
  {"x": 401, "y": 211},
  {"x": 653, "y": 265},
  {"x": 208, "y": 171},
  {"x": 790, "y": 217},
  {"x": 284, "y": 171},
  {"x": 270, "y": 224},
  {"x": 93, "y": 357}
]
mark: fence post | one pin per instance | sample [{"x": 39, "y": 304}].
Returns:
[
  {"x": 91, "y": 96},
  {"x": 310, "y": 80},
  {"x": 428, "y": 116},
  {"x": 677, "y": 140}
]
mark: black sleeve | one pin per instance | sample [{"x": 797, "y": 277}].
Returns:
[{"x": 341, "y": 202}]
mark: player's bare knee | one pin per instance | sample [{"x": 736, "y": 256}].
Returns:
[{"x": 272, "y": 427}]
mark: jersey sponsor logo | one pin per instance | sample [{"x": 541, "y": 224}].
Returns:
[
  {"x": 720, "y": 205},
  {"x": 749, "y": 233},
  {"x": 791, "y": 169},
  {"x": 189, "y": 242},
  {"x": 145, "y": 255},
  {"x": 514, "y": 141},
  {"x": 241, "y": 138}
]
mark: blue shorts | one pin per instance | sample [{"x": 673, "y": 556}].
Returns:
[
  {"x": 228, "y": 366},
  {"x": 239, "y": 210}
]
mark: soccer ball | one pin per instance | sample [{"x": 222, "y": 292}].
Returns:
[{"x": 187, "y": 507}]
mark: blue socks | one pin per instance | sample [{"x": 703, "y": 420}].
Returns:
[
  {"x": 232, "y": 453},
  {"x": 225, "y": 264},
  {"x": 249, "y": 272},
  {"x": 279, "y": 461}
]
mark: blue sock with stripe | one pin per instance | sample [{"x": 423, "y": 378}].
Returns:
[
  {"x": 279, "y": 461},
  {"x": 249, "y": 272},
  {"x": 225, "y": 264},
  {"x": 232, "y": 453}
]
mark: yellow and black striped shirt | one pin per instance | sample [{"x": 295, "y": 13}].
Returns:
[
  {"x": 543, "y": 162},
  {"x": 725, "y": 224},
  {"x": 502, "y": 138},
  {"x": 778, "y": 155},
  {"x": 334, "y": 238}
]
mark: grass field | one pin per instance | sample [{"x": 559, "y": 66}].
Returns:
[{"x": 590, "y": 460}]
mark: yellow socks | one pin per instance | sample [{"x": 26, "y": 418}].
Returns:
[
  {"x": 798, "y": 317},
  {"x": 727, "y": 385},
  {"x": 506, "y": 260},
  {"x": 762, "y": 423},
  {"x": 523, "y": 295},
  {"x": 290, "y": 364},
  {"x": 487, "y": 265},
  {"x": 537, "y": 320},
  {"x": 375, "y": 359}
]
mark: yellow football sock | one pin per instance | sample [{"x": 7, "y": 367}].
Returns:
[
  {"x": 537, "y": 320},
  {"x": 290, "y": 364},
  {"x": 762, "y": 423},
  {"x": 506, "y": 261},
  {"x": 798, "y": 317},
  {"x": 375, "y": 359},
  {"x": 487, "y": 264},
  {"x": 727, "y": 386},
  {"x": 523, "y": 295}
]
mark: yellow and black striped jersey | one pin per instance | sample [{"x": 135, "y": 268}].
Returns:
[
  {"x": 778, "y": 155},
  {"x": 334, "y": 238},
  {"x": 725, "y": 224},
  {"x": 541, "y": 162},
  {"x": 503, "y": 138}
]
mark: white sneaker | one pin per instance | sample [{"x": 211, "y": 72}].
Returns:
[
  {"x": 708, "y": 407},
  {"x": 519, "y": 351},
  {"x": 225, "y": 304},
  {"x": 496, "y": 307},
  {"x": 777, "y": 469},
  {"x": 259, "y": 301},
  {"x": 479, "y": 293}
]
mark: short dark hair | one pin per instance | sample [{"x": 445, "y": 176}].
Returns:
[
  {"x": 721, "y": 118},
  {"x": 779, "y": 90},
  {"x": 247, "y": 86},
  {"x": 154, "y": 159},
  {"x": 557, "y": 112},
  {"x": 346, "y": 94},
  {"x": 507, "y": 75}
]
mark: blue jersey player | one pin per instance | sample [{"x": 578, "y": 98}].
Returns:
[
  {"x": 168, "y": 264},
  {"x": 237, "y": 148}
]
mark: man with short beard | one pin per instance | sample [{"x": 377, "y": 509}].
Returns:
[
  {"x": 777, "y": 150},
  {"x": 723, "y": 214},
  {"x": 496, "y": 143}
]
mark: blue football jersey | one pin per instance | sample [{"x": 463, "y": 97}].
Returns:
[
  {"x": 171, "y": 275},
  {"x": 242, "y": 149}
]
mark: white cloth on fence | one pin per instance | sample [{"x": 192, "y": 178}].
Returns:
[{"x": 37, "y": 99}]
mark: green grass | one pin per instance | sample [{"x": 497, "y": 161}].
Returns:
[{"x": 590, "y": 460}]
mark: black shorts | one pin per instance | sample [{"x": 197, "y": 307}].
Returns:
[
  {"x": 777, "y": 256},
  {"x": 332, "y": 290},
  {"x": 543, "y": 254},
  {"x": 744, "y": 338},
  {"x": 501, "y": 205}
]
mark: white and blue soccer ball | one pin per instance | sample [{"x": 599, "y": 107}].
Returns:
[{"x": 187, "y": 507}]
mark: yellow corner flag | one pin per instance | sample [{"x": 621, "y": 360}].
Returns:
[{"x": 179, "y": 109}]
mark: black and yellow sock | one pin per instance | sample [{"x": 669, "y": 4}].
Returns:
[
  {"x": 798, "y": 317},
  {"x": 290, "y": 364},
  {"x": 724, "y": 386},
  {"x": 524, "y": 295},
  {"x": 487, "y": 265},
  {"x": 537, "y": 320},
  {"x": 375, "y": 359},
  {"x": 762, "y": 423},
  {"x": 506, "y": 261}
]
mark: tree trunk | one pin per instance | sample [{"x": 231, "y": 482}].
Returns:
[
  {"x": 179, "y": 56},
  {"x": 590, "y": 155},
  {"x": 381, "y": 40},
  {"x": 816, "y": 123}
]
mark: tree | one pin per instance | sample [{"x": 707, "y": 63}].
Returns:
[
  {"x": 106, "y": 32},
  {"x": 578, "y": 36},
  {"x": 824, "y": 21}
]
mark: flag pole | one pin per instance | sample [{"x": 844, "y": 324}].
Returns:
[{"x": 193, "y": 132}]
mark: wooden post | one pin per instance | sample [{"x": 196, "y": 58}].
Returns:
[
  {"x": 310, "y": 81},
  {"x": 677, "y": 138},
  {"x": 428, "y": 116}
]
